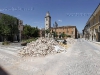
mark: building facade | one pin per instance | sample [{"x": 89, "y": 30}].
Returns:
[
  {"x": 68, "y": 30},
  {"x": 91, "y": 30}
]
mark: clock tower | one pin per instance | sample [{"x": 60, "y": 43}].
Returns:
[{"x": 47, "y": 21}]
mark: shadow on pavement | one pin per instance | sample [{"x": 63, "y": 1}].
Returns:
[{"x": 3, "y": 72}]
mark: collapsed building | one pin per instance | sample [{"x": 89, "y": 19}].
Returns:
[{"x": 43, "y": 47}]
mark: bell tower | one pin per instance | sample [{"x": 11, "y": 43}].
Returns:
[{"x": 47, "y": 21}]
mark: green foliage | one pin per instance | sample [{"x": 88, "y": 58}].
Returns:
[
  {"x": 63, "y": 35},
  {"x": 68, "y": 35},
  {"x": 6, "y": 30},
  {"x": 47, "y": 31},
  {"x": 36, "y": 33},
  {"x": 1, "y": 27},
  {"x": 8, "y": 25},
  {"x": 24, "y": 42},
  {"x": 29, "y": 40},
  {"x": 29, "y": 31},
  {"x": 5, "y": 43},
  {"x": 54, "y": 34}
]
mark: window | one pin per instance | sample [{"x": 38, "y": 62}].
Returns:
[
  {"x": 96, "y": 30},
  {"x": 99, "y": 28},
  {"x": 46, "y": 19},
  {"x": 63, "y": 32},
  {"x": 89, "y": 24},
  {"x": 59, "y": 33},
  {"x": 99, "y": 18},
  {"x": 93, "y": 22},
  {"x": 72, "y": 32},
  {"x": 67, "y": 30}
]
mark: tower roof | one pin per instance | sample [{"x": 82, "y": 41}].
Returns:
[{"x": 48, "y": 14}]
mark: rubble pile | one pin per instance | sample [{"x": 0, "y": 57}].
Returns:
[
  {"x": 41, "y": 47},
  {"x": 70, "y": 41}
]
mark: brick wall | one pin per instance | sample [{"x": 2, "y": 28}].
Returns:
[{"x": 69, "y": 30}]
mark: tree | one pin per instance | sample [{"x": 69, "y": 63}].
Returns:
[
  {"x": 4, "y": 30},
  {"x": 47, "y": 31},
  {"x": 10, "y": 24},
  {"x": 56, "y": 24},
  {"x": 26, "y": 30},
  {"x": 54, "y": 34},
  {"x": 29, "y": 31},
  {"x": 68, "y": 35},
  {"x": 0, "y": 27},
  {"x": 63, "y": 35},
  {"x": 32, "y": 31}
]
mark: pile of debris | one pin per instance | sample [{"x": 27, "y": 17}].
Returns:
[
  {"x": 41, "y": 47},
  {"x": 70, "y": 41}
]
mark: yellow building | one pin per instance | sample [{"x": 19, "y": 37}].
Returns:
[{"x": 68, "y": 30}]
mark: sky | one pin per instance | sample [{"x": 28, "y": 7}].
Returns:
[{"x": 64, "y": 12}]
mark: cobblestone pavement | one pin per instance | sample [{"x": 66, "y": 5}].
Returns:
[{"x": 83, "y": 58}]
